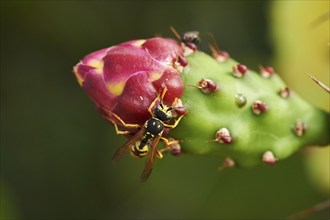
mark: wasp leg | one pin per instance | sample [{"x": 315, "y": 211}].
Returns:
[
  {"x": 119, "y": 131},
  {"x": 156, "y": 99},
  {"x": 175, "y": 123},
  {"x": 167, "y": 142},
  {"x": 124, "y": 124},
  {"x": 171, "y": 145}
]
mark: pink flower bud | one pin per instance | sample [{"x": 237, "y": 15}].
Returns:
[{"x": 126, "y": 78}]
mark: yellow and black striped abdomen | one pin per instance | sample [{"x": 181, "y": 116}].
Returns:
[{"x": 139, "y": 149}]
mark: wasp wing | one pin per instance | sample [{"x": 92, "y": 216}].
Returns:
[
  {"x": 150, "y": 160},
  {"x": 122, "y": 150}
]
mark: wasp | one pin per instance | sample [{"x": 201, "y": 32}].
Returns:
[
  {"x": 145, "y": 141},
  {"x": 190, "y": 39}
]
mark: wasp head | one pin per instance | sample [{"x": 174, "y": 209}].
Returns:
[{"x": 163, "y": 112}]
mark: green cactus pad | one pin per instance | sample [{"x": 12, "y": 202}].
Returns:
[{"x": 273, "y": 130}]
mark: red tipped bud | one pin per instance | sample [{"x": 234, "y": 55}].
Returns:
[
  {"x": 266, "y": 71},
  {"x": 239, "y": 70},
  {"x": 223, "y": 136},
  {"x": 207, "y": 85},
  {"x": 221, "y": 56},
  {"x": 269, "y": 158},
  {"x": 284, "y": 92},
  {"x": 259, "y": 107},
  {"x": 299, "y": 128}
]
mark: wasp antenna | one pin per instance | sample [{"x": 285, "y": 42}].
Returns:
[{"x": 177, "y": 35}]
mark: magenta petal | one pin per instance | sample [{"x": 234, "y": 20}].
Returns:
[
  {"x": 82, "y": 69},
  {"x": 124, "y": 61},
  {"x": 163, "y": 49},
  {"x": 172, "y": 80},
  {"x": 132, "y": 106},
  {"x": 95, "y": 87},
  {"x": 97, "y": 55}
]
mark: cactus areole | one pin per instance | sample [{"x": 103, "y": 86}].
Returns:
[{"x": 261, "y": 120}]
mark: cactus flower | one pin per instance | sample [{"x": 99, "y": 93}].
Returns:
[
  {"x": 254, "y": 117},
  {"x": 126, "y": 78}
]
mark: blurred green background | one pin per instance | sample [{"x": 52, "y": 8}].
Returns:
[{"x": 56, "y": 149}]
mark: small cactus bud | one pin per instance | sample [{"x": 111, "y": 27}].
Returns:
[
  {"x": 223, "y": 136},
  {"x": 183, "y": 61},
  {"x": 299, "y": 128},
  {"x": 269, "y": 158},
  {"x": 284, "y": 92},
  {"x": 266, "y": 71},
  {"x": 228, "y": 162},
  {"x": 221, "y": 56},
  {"x": 239, "y": 70},
  {"x": 240, "y": 100},
  {"x": 179, "y": 109},
  {"x": 258, "y": 107},
  {"x": 207, "y": 85},
  {"x": 174, "y": 147}
]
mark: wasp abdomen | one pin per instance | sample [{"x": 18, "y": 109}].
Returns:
[{"x": 139, "y": 149}]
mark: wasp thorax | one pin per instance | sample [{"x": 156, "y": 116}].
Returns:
[
  {"x": 223, "y": 136},
  {"x": 207, "y": 85}
]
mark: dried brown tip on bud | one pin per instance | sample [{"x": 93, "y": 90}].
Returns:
[
  {"x": 207, "y": 85},
  {"x": 299, "y": 128},
  {"x": 266, "y": 71},
  {"x": 259, "y": 107},
  {"x": 269, "y": 158},
  {"x": 239, "y": 70},
  {"x": 284, "y": 92}
]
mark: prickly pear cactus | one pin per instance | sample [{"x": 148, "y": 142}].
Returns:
[
  {"x": 242, "y": 116},
  {"x": 249, "y": 118}
]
